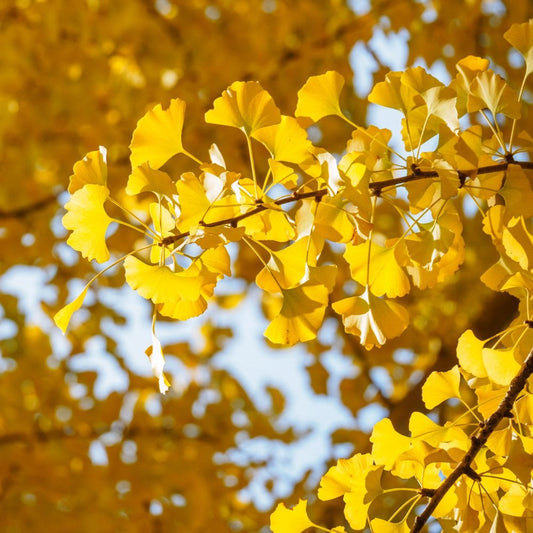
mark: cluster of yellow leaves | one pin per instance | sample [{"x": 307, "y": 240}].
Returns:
[
  {"x": 499, "y": 490},
  {"x": 287, "y": 209}
]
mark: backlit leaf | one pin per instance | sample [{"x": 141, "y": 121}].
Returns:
[
  {"x": 441, "y": 386},
  {"x": 469, "y": 354},
  {"x": 157, "y": 360},
  {"x": 63, "y": 316},
  {"x": 246, "y": 106},
  {"x": 294, "y": 520},
  {"x": 500, "y": 365},
  {"x": 385, "y": 276},
  {"x": 319, "y": 97},
  {"x": 371, "y": 318},
  {"x": 521, "y": 37},
  {"x": 91, "y": 169},
  {"x": 157, "y": 136},
  {"x": 145, "y": 178},
  {"x": 87, "y": 219},
  {"x": 387, "y": 444}
]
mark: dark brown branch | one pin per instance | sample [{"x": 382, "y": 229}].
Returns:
[
  {"x": 485, "y": 429},
  {"x": 232, "y": 221},
  {"x": 377, "y": 186},
  {"x": 21, "y": 212}
]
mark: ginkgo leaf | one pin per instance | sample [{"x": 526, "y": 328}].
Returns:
[
  {"x": 500, "y": 365},
  {"x": 469, "y": 355},
  {"x": 285, "y": 268},
  {"x": 157, "y": 360},
  {"x": 490, "y": 91},
  {"x": 87, "y": 219},
  {"x": 423, "y": 428},
  {"x": 157, "y": 136},
  {"x": 512, "y": 501},
  {"x": 517, "y": 192},
  {"x": 246, "y": 106},
  {"x": 385, "y": 276},
  {"x": 521, "y": 37},
  {"x": 91, "y": 169},
  {"x": 192, "y": 199},
  {"x": 298, "y": 315},
  {"x": 387, "y": 444},
  {"x": 269, "y": 225},
  {"x": 145, "y": 178},
  {"x": 164, "y": 224},
  {"x": 372, "y": 319},
  {"x": 441, "y": 386},
  {"x": 63, "y": 316},
  {"x": 319, "y": 97},
  {"x": 286, "y": 141},
  {"x": 217, "y": 260},
  {"x": 162, "y": 285},
  {"x": 294, "y": 520},
  {"x": 391, "y": 93},
  {"x": 333, "y": 221},
  {"x": 345, "y": 476},
  {"x": 518, "y": 242}
]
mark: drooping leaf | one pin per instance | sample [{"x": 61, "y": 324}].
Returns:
[
  {"x": 387, "y": 444},
  {"x": 88, "y": 220},
  {"x": 157, "y": 136},
  {"x": 246, "y": 106},
  {"x": 517, "y": 240},
  {"x": 63, "y": 316},
  {"x": 500, "y": 365},
  {"x": 157, "y": 360},
  {"x": 521, "y": 37},
  {"x": 319, "y": 97}
]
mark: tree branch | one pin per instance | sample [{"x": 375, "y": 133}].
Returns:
[
  {"x": 418, "y": 174},
  {"x": 232, "y": 221},
  {"x": 486, "y": 427}
]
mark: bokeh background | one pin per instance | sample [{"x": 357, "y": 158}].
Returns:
[{"x": 86, "y": 441}]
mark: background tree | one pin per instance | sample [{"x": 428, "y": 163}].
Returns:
[{"x": 80, "y": 74}]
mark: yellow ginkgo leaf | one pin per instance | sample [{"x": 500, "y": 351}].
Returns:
[
  {"x": 91, "y": 169},
  {"x": 286, "y": 141},
  {"x": 298, "y": 315},
  {"x": 372, "y": 319},
  {"x": 394, "y": 93},
  {"x": 521, "y": 37},
  {"x": 500, "y": 365},
  {"x": 518, "y": 242},
  {"x": 387, "y": 444},
  {"x": 63, "y": 316},
  {"x": 294, "y": 520},
  {"x": 217, "y": 260},
  {"x": 517, "y": 192},
  {"x": 285, "y": 268},
  {"x": 87, "y": 219},
  {"x": 319, "y": 97},
  {"x": 345, "y": 476},
  {"x": 386, "y": 276},
  {"x": 162, "y": 285},
  {"x": 441, "y": 386},
  {"x": 246, "y": 106},
  {"x": 145, "y": 178},
  {"x": 490, "y": 91},
  {"x": 269, "y": 225},
  {"x": 157, "y": 361},
  {"x": 469, "y": 350},
  {"x": 424, "y": 429},
  {"x": 157, "y": 136},
  {"x": 193, "y": 201}
]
